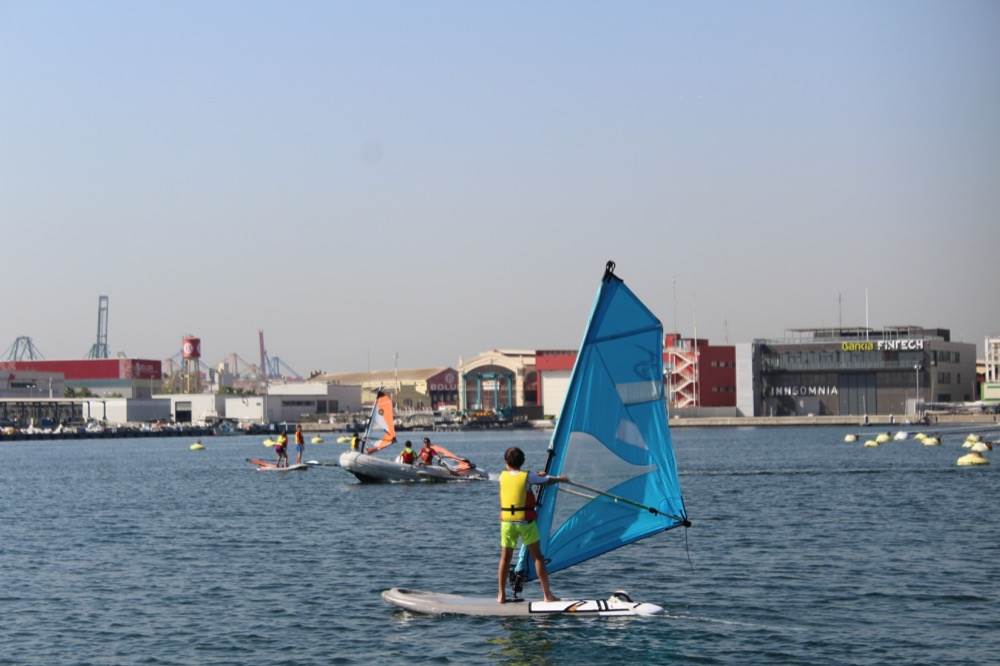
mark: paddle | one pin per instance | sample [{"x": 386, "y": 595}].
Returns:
[{"x": 623, "y": 500}]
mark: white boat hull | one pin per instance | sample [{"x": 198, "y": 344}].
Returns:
[
  {"x": 372, "y": 469},
  {"x": 435, "y": 603}
]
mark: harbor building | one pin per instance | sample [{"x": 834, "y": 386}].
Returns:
[
  {"x": 699, "y": 378},
  {"x": 500, "y": 381},
  {"x": 420, "y": 389},
  {"x": 293, "y": 402},
  {"x": 195, "y": 407},
  {"x": 856, "y": 371},
  {"x": 31, "y": 384},
  {"x": 53, "y": 412},
  {"x": 554, "y": 367},
  {"x": 989, "y": 389},
  {"x": 108, "y": 377}
]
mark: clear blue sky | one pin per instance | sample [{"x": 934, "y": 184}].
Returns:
[{"x": 441, "y": 178}]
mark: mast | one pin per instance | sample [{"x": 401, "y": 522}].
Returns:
[
  {"x": 609, "y": 273},
  {"x": 371, "y": 418}
]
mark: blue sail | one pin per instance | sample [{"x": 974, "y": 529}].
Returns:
[{"x": 612, "y": 440}]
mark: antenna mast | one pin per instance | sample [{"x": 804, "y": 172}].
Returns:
[{"x": 866, "y": 313}]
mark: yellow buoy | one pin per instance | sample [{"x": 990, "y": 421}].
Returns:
[
  {"x": 972, "y": 459},
  {"x": 197, "y": 446},
  {"x": 972, "y": 437},
  {"x": 850, "y": 438},
  {"x": 317, "y": 440},
  {"x": 343, "y": 439},
  {"x": 919, "y": 436},
  {"x": 882, "y": 437},
  {"x": 269, "y": 442},
  {"x": 932, "y": 441},
  {"x": 871, "y": 444},
  {"x": 967, "y": 444}
]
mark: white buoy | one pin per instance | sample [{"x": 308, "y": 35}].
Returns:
[
  {"x": 850, "y": 437},
  {"x": 900, "y": 436},
  {"x": 972, "y": 459},
  {"x": 871, "y": 444},
  {"x": 981, "y": 447},
  {"x": 197, "y": 446},
  {"x": 882, "y": 437},
  {"x": 967, "y": 444},
  {"x": 932, "y": 441},
  {"x": 972, "y": 437}
]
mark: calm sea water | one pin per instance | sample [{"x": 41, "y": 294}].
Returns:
[{"x": 804, "y": 549}]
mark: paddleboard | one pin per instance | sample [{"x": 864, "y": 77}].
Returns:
[
  {"x": 267, "y": 466},
  {"x": 317, "y": 463},
  {"x": 436, "y": 603}
]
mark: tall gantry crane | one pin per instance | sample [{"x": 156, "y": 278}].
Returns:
[
  {"x": 23, "y": 349},
  {"x": 100, "y": 348}
]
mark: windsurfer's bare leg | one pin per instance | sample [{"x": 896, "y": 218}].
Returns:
[
  {"x": 505, "y": 555},
  {"x": 543, "y": 574}
]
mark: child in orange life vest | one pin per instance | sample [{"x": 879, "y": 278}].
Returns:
[
  {"x": 517, "y": 520},
  {"x": 300, "y": 444}
]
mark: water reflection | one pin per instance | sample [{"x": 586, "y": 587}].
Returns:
[{"x": 523, "y": 641}]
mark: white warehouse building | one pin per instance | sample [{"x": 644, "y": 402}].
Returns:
[{"x": 304, "y": 401}]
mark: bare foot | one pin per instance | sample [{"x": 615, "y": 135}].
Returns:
[
  {"x": 551, "y": 598},
  {"x": 501, "y": 599}
]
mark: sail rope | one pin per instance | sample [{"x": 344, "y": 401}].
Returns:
[{"x": 687, "y": 548}]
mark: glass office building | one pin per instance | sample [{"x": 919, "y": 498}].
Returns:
[{"x": 842, "y": 371}]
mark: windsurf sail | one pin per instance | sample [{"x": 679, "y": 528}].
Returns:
[
  {"x": 381, "y": 421},
  {"x": 612, "y": 440},
  {"x": 459, "y": 464}
]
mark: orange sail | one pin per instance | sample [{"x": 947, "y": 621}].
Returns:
[
  {"x": 463, "y": 463},
  {"x": 382, "y": 420}
]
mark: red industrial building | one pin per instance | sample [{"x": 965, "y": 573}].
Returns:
[
  {"x": 697, "y": 374},
  {"x": 127, "y": 377}
]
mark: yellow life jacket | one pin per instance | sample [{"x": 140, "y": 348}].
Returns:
[{"x": 513, "y": 496}]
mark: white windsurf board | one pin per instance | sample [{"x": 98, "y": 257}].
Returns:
[{"x": 437, "y": 603}]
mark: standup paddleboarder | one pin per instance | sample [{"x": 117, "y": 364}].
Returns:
[
  {"x": 300, "y": 444},
  {"x": 517, "y": 520},
  {"x": 281, "y": 447}
]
